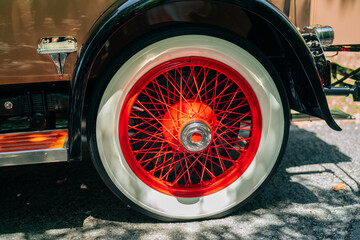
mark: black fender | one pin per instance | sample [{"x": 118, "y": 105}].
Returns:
[{"x": 126, "y": 21}]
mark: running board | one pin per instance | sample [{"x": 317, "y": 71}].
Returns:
[
  {"x": 33, "y": 147},
  {"x": 337, "y": 115}
]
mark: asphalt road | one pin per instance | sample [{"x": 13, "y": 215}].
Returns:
[{"x": 48, "y": 202}]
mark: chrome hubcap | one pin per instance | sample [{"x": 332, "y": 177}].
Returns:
[{"x": 195, "y": 136}]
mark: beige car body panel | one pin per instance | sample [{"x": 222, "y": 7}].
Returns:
[{"x": 24, "y": 22}]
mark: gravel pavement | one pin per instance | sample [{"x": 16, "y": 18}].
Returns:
[{"x": 69, "y": 201}]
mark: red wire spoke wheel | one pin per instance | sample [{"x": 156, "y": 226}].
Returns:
[
  {"x": 193, "y": 127},
  {"x": 189, "y": 126}
]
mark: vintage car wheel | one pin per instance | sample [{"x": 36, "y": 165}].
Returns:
[{"x": 189, "y": 127}]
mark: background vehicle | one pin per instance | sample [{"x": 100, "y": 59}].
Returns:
[{"x": 185, "y": 104}]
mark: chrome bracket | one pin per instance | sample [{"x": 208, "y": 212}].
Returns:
[{"x": 58, "y": 48}]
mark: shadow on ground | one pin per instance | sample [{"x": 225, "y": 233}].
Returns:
[{"x": 33, "y": 203}]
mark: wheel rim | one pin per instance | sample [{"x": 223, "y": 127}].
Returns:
[{"x": 190, "y": 127}]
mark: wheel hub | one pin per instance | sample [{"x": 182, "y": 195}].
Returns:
[
  {"x": 195, "y": 136},
  {"x": 188, "y": 126}
]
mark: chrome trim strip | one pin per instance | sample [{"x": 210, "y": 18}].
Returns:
[
  {"x": 58, "y": 44},
  {"x": 33, "y": 157}
]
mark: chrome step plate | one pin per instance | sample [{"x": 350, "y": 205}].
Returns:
[
  {"x": 336, "y": 113},
  {"x": 33, "y": 147}
]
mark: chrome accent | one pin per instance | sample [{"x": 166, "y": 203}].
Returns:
[
  {"x": 337, "y": 115},
  {"x": 8, "y": 105},
  {"x": 325, "y": 34},
  {"x": 58, "y": 48},
  {"x": 33, "y": 157},
  {"x": 195, "y": 127},
  {"x": 138, "y": 108}
]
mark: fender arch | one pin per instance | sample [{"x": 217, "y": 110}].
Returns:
[{"x": 256, "y": 20}]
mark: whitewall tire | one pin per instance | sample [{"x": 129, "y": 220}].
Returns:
[{"x": 157, "y": 120}]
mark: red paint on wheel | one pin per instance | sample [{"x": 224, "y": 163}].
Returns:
[
  {"x": 167, "y": 98},
  {"x": 181, "y": 113},
  {"x": 196, "y": 137}
]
